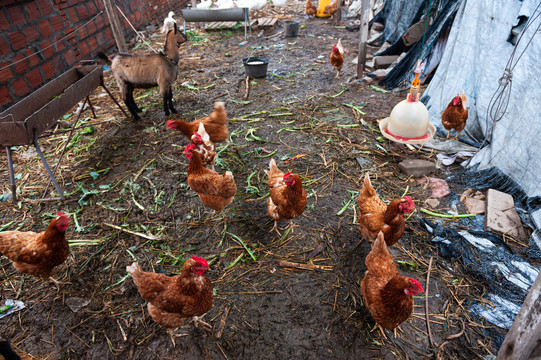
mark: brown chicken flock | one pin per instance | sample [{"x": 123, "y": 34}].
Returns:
[{"x": 174, "y": 299}]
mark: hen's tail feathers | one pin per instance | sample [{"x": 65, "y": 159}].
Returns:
[
  {"x": 219, "y": 115},
  {"x": 185, "y": 127},
  {"x": 381, "y": 253},
  {"x": 368, "y": 189},
  {"x": 134, "y": 270},
  {"x": 103, "y": 58}
]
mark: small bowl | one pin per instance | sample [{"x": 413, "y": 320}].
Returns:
[{"x": 256, "y": 66}]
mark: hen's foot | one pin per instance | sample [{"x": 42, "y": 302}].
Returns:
[
  {"x": 378, "y": 327},
  {"x": 197, "y": 321},
  {"x": 57, "y": 283},
  {"x": 275, "y": 228},
  {"x": 172, "y": 335}
]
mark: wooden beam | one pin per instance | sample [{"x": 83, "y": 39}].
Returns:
[
  {"x": 338, "y": 15},
  {"x": 523, "y": 341},
  {"x": 363, "y": 38},
  {"x": 115, "y": 25}
]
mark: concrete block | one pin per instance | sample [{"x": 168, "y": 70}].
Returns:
[
  {"x": 475, "y": 206},
  {"x": 378, "y": 26},
  {"x": 383, "y": 62},
  {"x": 416, "y": 167},
  {"x": 501, "y": 216}
]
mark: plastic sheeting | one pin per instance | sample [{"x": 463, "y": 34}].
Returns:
[
  {"x": 474, "y": 60},
  {"x": 398, "y": 16}
]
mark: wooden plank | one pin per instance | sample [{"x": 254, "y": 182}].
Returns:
[
  {"x": 115, "y": 26},
  {"x": 523, "y": 340},
  {"x": 363, "y": 38}
]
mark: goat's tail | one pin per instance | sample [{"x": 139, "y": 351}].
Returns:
[{"x": 103, "y": 58}]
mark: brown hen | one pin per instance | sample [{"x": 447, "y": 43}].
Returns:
[
  {"x": 455, "y": 115},
  {"x": 310, "y": 9},
  {"x": 215, "y": 124},
  {"x": 173, "y": 300},
  {"x": 386, "y": 294},
  {"x": 375, "y": 216}
]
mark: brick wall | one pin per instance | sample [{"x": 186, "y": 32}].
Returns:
[{"x": 41, "y": 39}]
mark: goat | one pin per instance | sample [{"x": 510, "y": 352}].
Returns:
[{"x": 147, "y": 71}]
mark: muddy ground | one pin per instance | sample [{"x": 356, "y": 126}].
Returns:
[{"x": 133, "y": 175}]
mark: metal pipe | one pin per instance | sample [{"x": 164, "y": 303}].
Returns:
[{"x": 44, "y": 161}]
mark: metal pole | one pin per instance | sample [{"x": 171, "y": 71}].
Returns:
[
  {"x": 11, "y": 176},
  {"x": 363, "y": 35},
  {"x": 115, "y": 26},
  {"x": 47, "y": 168}
]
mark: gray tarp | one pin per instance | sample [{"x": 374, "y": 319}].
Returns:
[{"x": 475, "y": 57}]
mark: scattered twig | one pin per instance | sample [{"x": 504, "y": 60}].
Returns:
[
  {"x": 247, "y": 93},
  {"x": 426, "y": 303},
  {"x": 222, "y": 323},
  {"x": 304, "y": 266},
  {"x": 144, "y": 236}
]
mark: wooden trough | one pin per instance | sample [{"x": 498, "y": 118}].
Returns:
[{"x": 22, "y": 123}]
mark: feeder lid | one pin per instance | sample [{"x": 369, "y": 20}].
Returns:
[{"x": 383, "y": 126}]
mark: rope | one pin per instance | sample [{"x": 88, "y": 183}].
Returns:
[
  {"x": 53, "y": 44},
  {"x": 500, "y": 100},
  {"x": 137, "y": 32},
  {"x": 426, "y": 27}
]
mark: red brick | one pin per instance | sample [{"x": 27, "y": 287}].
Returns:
[
  {"x": 84, "y": 50},
  {"x": 6, "y": 74},
  {"x": 59, "y": 45},
  {"x": 91, "y": 28},
  {"x": 31, "y": 33},
  {"x": 4, "y": 23},
  {"x": 45, "y": 29},
  {"x": 56, "y": 23},
  {"x": 48, "y": 70},
  {"x": 45, "y": 7},
  {"x": 33, "y": 58},
  {"x": 93, "y": 43},
  {"x": 91, "y": 8},
  {"x": 32, "y": 10},
  {"x": 5, "y": 98},
  {"x": 70, "y": 57},
  {"x": 82, "y": 32},
  {"x": 17, "y": 40},
  {"x": 83, "y": 13},
  {"x": 21, "y": 87},
  {"x": 108, "y": 33},
  {"x": 4, "y": 48},
  {"x": 46, "y": 49},
  {"x": 34, "y": 78},
  {"x": 72, "y": 15},
  {"x": 100, "y": 22},
  {"x": 16, "y": 16},
  {"x": 20, "y": 64}
]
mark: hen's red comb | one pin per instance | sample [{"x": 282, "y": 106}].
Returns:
[{"x": 201, "y": 261}]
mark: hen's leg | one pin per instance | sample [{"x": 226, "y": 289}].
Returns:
[
  {"x": 448, "y": 134},
  {"x": 291, "y": 225},
  {"x": 172, "y": 335},
  {"x": 275, "y": 228},
  {"x": 337, "y": 74}
]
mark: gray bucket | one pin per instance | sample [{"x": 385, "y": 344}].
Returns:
[
  {"x": 256, "y": 66},
  {"x": 291, "y": 28}
]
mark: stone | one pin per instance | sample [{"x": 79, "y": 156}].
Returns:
[
  {"x": 416, "y": 167},
  {"x": 439, "y": 187},
  {"x": 383, "y": 62},
  {"x": 475, "y": 206},
  {"x": 380, "y": 74},
  {"x": 501, "y": 216},
  {"x": 378, "y": 26},
  {"x": 383, "y": 47},
  {"x": 374, "y": 38},
  {"x": 368, "y": 80},
  {"x": 364, "y": 162},
  {"x": 77, "y": 303},
  {"x": 433, "y": 203}
]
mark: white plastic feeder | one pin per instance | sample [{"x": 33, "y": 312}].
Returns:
[{"x": 409, "y": 121}]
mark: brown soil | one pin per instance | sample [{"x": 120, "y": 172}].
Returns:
[{"x": 133, "y": 175}]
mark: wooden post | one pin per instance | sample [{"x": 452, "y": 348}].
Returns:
[
  {"x": 338, "y": 15},
  {"x": 523, "y": 340},
  {"x": 363, "y": 35},
  {"x": 115, "y": 25}
]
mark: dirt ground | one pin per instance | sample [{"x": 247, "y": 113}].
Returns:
[{"x": 133, "y": 175}]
